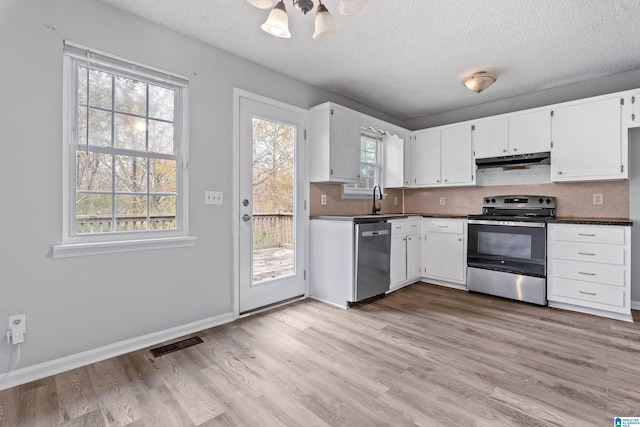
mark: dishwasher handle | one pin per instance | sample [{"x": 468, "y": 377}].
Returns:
[{"x": 374, "y": 233}]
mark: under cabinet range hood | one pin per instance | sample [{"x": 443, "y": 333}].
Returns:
[{"x": 518, "y": 161}]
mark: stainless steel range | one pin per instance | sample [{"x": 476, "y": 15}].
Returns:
[{"x": 507, "y": 247}]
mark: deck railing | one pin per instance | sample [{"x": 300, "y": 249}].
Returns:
[
  {"x": 273, "y": 230},
  {"x": 99, "y": 224},
  {"x": 270, "y": 230}
]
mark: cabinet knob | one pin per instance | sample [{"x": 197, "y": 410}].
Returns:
[
  {"x": 559, "y": 172},
  {"x": 504, "y": 151},
  {"x": 446, "y": 180},
  {"x": 459, "y": 239},
  {"x": 437, "y": 180},
  {"x": 515, "y": 149}
]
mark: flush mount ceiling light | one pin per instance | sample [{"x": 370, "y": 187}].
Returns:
[
  {"x": 277, "y": 23},
  {"x": 479, "y": 81}
]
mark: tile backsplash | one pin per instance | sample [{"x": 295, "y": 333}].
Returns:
[{"x": 573, "y": 199}]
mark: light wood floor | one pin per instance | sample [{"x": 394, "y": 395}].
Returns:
[{"x": 424, "y": 355}]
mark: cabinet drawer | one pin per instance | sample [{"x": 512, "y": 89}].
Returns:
[
  {"x": 444, "y": 226},
  {"x": 606, "y": 254},
  {"x": 589, "y": 272},
  {"x": 413, "y": 227},
  {"x": 398, "y": 227},
  {"x": 591, "y": 292},
  {"x": 608, "y": 235}
]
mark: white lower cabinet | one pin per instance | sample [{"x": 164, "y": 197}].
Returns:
[
  {"x": 589, "y": 269},
  {"x": 445, "y": 250},
  {"x": 405, "y": 252}
]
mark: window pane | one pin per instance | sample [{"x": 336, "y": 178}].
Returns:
[
  {"x": 93, "y": 213},
  {"x": 131, "y": 96},
  {"x": 99, "y": 128},
  {"x": 161, "y": 103},
  {"x": 160, "y": 137},
  {"x": 163, "y": 212},
  {"x": 93, "y": 171},
  {"x": 162, "y": 175},
  {"x": 82, "y": 85},
  {"x": 81, "y": 126},
  {"x": 368, "y": 157},
  {"x": 131, "y": 132},
  {"x": 131, "y": 174},
  {"x": 100, "y": 89},
  {"x": 131, "y": 212}
]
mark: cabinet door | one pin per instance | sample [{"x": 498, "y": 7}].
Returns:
[
  {"x": 426, "y": 158},
  {"x": 444, "y": 256},
  {"x": 393, "y": 157},
  {"x": 458, "y": 166},
  {"x": 587, "y": 141},
  {"x": 491, "y": 138},
  {"x": 345, "y": 145},
  {"x": 414, "y": 255},
  {"x": 398, "y": 260},
  {"x": 408, "y": 161},
  {"x": 530, "y": 132}
]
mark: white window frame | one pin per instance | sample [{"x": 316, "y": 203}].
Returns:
[
  {"x": 74, "y": 244},
  {"x": 350, "y": 192}
]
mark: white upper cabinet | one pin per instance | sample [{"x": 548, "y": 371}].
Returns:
[
  {"x": 491, "y": 138},
  {"x": 530, "y": 132},
  {"x": 442, "y": 156},
  {"x": 426, "y": 158},
  {"x": 520, "y": 133},
  {"x": 457, "y": 161},
  {"x": 334, "y": 147},
  {"x": 588, "y": 142}
]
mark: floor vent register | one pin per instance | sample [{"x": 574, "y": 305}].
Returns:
[{"x": 170, "y": 348}]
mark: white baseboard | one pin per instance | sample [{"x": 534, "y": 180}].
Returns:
[
  {"x": 52, "y": 367},
  {"x": 635, "y": 305}
]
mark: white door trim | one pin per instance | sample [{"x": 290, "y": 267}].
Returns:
[{"x": 235, "y": 220}]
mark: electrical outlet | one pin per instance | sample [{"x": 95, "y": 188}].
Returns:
[
  {"x": 323, "y": 199},
  {"x": 443, "y": 201},
  {"x": 395, "y": 200},
  {"x": 598, "y": 199},
  {"x": 213, "y": 197},
  {"x": 17, "y": 328}
]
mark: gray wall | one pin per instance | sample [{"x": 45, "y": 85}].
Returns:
[{"x": 78, "y": 304}]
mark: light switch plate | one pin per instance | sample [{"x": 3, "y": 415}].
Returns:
[
  {"x": 213, "y": 197},
  {"x": 323, "y": 199},
  {"x": 443, "y": 201},
  {"x": 598, "y": 198}
]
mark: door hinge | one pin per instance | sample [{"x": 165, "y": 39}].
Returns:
[
  {"x": 551, "y": 113},
  {"x": 551, "y": 144},
  {"x": 633, "y": 117},
  {"x": 332, "y": 111},
  {"x": 621, "y": 101},
  {"x": 473, "y": 127},
  {"x": 305, "y": 134},
  {"x": 331, "y": 172},
  {"x": 305, "y": 205},
  {"x": 633, "y": 99},
  {"x": 621, "y": 168},
  {"x": 471, "y": 177},
  {"x": 304, "y": 275}
]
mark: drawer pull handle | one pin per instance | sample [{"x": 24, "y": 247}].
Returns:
[
  {"x": 588, "y": 293},
  {"x": 586, "y": 235},
  {"x": 586, "y": 274},
  {"x": 585, "y": 253}
]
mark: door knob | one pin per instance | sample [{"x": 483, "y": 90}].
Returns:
[{"x": 246, "y": 217}]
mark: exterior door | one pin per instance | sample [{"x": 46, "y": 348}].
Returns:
[{"x": 272, "y": 190}]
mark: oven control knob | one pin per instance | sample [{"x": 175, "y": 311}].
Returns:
[
  {"x": 540, "y": 201},
  {"x": 548, "y": 201},
  {"x": 487, "y": 200},
  {"x": 493, "y": 200}
]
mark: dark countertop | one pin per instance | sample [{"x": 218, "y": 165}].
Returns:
[
  {"x": 365, "y": 218},
  {"x": 591, "y": 221}
]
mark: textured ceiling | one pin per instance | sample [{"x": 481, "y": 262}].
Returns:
[{"x": 407, "y": 58}]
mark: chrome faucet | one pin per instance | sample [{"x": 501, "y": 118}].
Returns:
[{"x": 375, "y": 209}]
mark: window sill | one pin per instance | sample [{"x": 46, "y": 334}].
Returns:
[
  {"x": 360, "y": 195},
  {"x": 102, "y": 248}
]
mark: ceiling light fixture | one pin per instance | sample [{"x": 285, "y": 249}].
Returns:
[
  {"x": 277, "y": 23},
  {"x": 479, "y": 81}
]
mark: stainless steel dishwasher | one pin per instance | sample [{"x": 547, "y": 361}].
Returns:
[{"x": 372, "y": 259}]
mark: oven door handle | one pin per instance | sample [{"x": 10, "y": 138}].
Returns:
[{"x": 507, "y": 223}]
